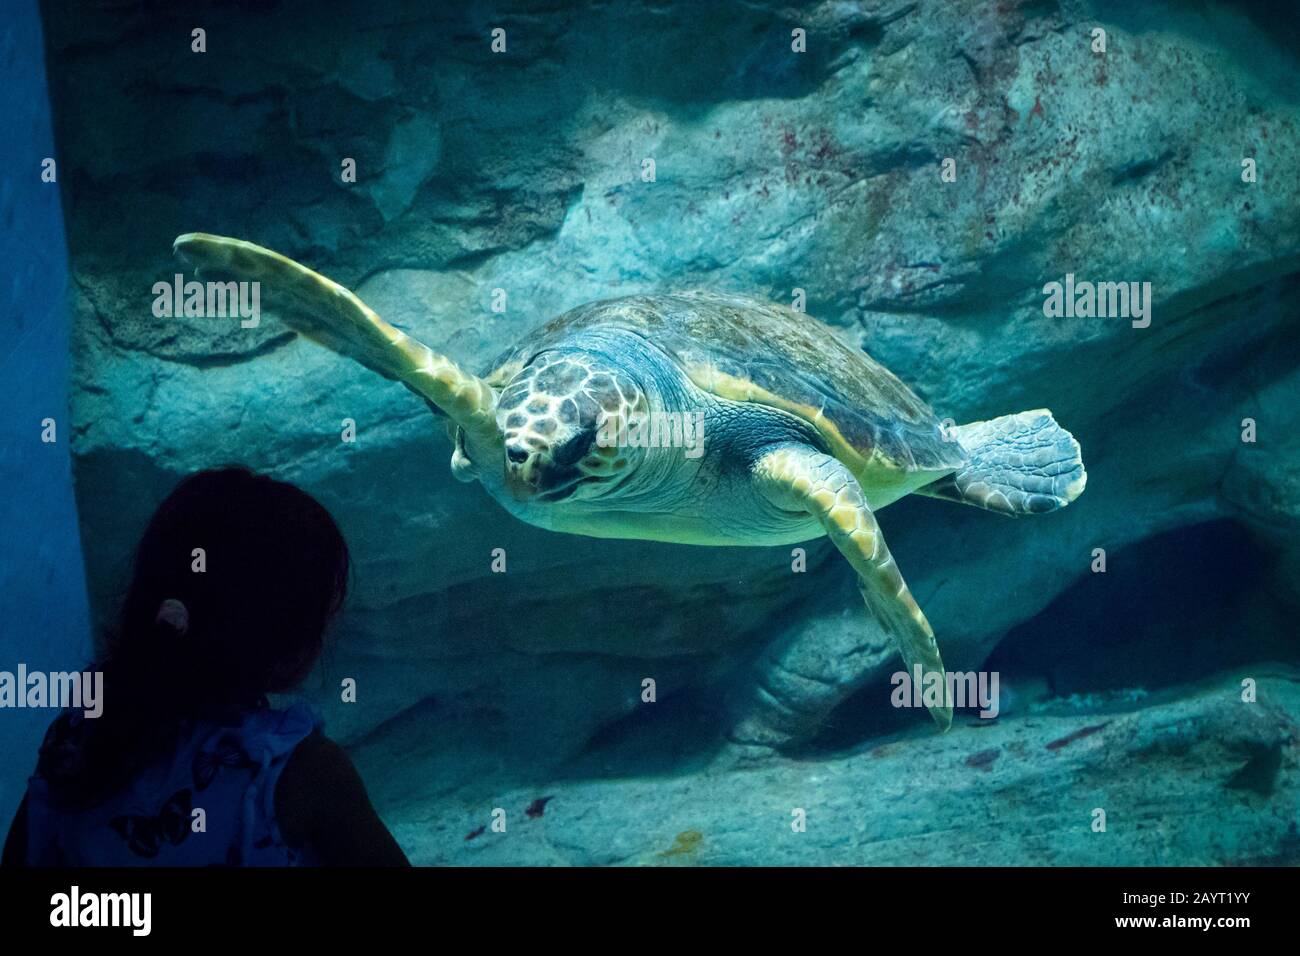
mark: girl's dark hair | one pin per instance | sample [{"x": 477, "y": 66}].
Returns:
[{"x": 261, "y": 568}]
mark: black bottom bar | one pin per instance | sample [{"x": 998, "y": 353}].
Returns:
[{"x": 245, "y": 905}]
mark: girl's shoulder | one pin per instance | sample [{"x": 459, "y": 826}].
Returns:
[
  {"x": 274, "y": 732},
  {"x": 261, "y": 739},
  {"x": 322, "y": 804}
]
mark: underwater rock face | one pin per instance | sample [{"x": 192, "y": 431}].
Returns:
[
  {"x": 773, "y": 172},
  {"x": 1186, "y": 781}
]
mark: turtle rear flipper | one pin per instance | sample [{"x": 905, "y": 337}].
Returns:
[
  {"x": 1017, "y": 464},
  {"x": 326, "y": 312}
]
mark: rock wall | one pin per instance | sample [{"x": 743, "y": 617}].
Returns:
[
  {"x": 523, "y": 171},
  {"x": 1181, "y": 782}
]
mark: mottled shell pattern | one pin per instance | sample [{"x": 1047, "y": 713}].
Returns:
[{"x": 747, "y": 349}]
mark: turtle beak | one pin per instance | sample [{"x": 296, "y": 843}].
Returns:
[
  {"x": 531, "y": 476},
  {"x": 523, "y": 477}
]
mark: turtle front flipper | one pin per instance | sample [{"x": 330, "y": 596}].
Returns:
[
  {"x": 801, "y": 479},
  {"x": 325, "y": 312}
]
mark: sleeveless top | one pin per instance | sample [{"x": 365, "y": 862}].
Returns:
[{"x": 227, "y": 770}]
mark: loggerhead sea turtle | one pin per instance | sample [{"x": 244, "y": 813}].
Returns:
[{"x": 803, "y": 435}]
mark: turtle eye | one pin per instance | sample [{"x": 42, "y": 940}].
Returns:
[{"x": 570, "y": 451}]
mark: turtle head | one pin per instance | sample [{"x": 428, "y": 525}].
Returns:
[{"x": 556, "y": 417}]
